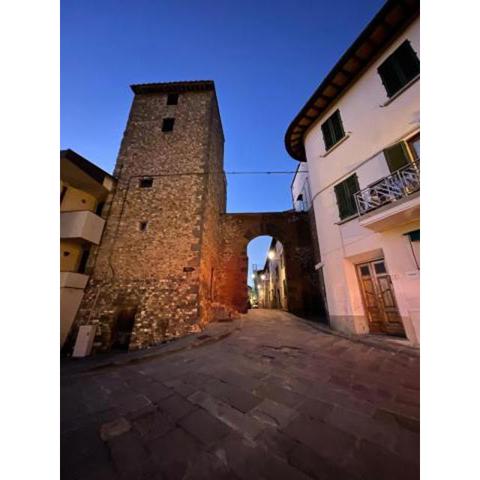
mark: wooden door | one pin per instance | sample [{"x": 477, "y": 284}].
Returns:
[{"x": 379, "y": 299}]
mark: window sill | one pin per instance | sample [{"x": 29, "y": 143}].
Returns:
[
  {"x": 405, "y": 87},
  {"x": 336, "y": 145},
  {"x": 347, "y": 219}
]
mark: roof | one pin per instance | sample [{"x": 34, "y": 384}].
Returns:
[
  {"x": 388, "y": 23},
  {"x": 88, "y": 167},
  {"x": 174, "y": 87}
]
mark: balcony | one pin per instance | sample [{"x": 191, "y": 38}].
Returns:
[
  {"x": 83, "y": 225},
  {"x": 73, "y": 280},
  {"x": 391, "y": 201}
]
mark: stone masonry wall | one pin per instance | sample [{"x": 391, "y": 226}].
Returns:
[{"x": 159, "y": 270}]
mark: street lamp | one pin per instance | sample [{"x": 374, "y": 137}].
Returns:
[{"x": 271, "y": 254}]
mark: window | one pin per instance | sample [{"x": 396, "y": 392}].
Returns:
[
  {"x": 397, "y": 156},
  {"x": 167, "y": 125},
  {"x": 414, "y": 144},
  {"x": 345, "y": 196},
  {"x": 172, "y": 99},
  {"x": 145, "y": 182},
  {"x": 142, "y": 226},
  {"x": 83, "y": 261},
  {"x": 399, "y": 68},
  {"x": 332, "y": 130},
  {"x": 99, "y": 208}
]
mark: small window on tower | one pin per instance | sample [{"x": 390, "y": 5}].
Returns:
[
  {"x": 167, "y": 125},
  {"x": 142, "y": 226},
  {"x": 146, "y": 182},
  {"x": 172, "y": 99}
]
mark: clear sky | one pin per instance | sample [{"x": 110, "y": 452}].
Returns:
[{"x": 266, "y": 58}]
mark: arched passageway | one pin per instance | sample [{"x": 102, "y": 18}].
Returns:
[{"x": 293, "y": 231}]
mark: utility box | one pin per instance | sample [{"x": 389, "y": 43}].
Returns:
[{"x": 84, "y": 342}]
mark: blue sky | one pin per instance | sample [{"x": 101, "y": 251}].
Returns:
[{"x": 266, "y": 58}]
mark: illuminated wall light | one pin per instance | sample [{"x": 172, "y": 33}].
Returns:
[{"x": 271, "y": 254}]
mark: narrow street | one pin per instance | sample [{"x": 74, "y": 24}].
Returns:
[{"x": 275, "y": 398}]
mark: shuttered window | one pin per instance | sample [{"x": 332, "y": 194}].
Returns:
[
  {"x": 396, "y": 156},
  {"x": 345, "y": 196},
  {"x": 332, "y": 130},
  {"x": 399, "y": 68}
]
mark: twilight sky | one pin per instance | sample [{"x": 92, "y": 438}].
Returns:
[{"x": 266, "y": 58}]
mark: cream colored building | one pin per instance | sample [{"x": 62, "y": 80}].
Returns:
[
  {"x": 84, "y": 191},
  {"x": 360, "y": 136},
  {"x": 271, "y": 282}
]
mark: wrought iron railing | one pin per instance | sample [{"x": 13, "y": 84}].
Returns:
[{"x": 399, "y": 184}]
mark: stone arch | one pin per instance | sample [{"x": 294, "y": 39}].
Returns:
[{"x": 292, "y": 229}]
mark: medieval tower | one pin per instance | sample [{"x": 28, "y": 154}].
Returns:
[{"x": 153, "y": 276}]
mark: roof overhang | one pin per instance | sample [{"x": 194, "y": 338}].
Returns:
[
  {"x": 173, "y": 87},
  {"x": 80, "y": 173},
  {"x": 385, "y": 27}
]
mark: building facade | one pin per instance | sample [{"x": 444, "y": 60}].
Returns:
[
  {"x": 360, "y": 136},
  {"x": 271, "y": 281},
  {"x": 84, "y": 190}
]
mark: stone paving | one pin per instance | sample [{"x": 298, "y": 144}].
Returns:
[{"x": 275, "y": 399}]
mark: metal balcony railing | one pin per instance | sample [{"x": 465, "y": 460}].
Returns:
[{"x": 399, "y": 184}]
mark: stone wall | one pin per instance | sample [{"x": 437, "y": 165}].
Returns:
[{"x": 164, "y": 269}]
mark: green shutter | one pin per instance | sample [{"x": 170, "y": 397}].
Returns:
[
  {"x": 396, "y": 156},
  {"x": 345, "y": 196},
  {"x": 327, "y": 135},
  {"x": 341, "y": 195}
]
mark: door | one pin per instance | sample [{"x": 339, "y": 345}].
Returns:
[
  {"x": 123, "y": 329},
  {"x": 379, "y": 298}
]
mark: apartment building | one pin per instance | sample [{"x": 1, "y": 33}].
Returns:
[
  {"x": 359, "y": 135},
  {"x": 84, "y": 192}
]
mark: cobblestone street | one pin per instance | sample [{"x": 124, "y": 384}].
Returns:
[{"x": 273, "y": 398}]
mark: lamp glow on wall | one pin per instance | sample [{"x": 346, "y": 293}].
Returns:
[{"x": 271, "y": 254}]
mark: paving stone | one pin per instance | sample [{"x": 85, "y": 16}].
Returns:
[
  {"x": 273, "y": 413},
  {"x": 114, "y": 428},
  {"x": 314, "y": 466},
  {"x": 153, "y": 424},
  {"x": 363, "y": 426},
  {"x": 315, "y": 409},
  {"x": 204, "y": 426},
  {"x": 181, "y": 388},
  {"x": 325, "y": 440},
  {"x": 130, "y": 402},
  {"x": 245, "y": 425},
  {"x": 339, "y": 430},
  {"x": 234, "y": 396},
  {"x": 371, "y": 462},
  {"x": 176, "y": 407},
  {"x": 278, "y": 394},
  {"x": 129, "y": 456},
  {"x": 173, "y": 453}
]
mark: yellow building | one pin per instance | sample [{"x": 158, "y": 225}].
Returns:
[{"x": 84, "y": 192}]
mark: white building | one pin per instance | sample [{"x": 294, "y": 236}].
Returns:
[{"x": 360, "y": 136}]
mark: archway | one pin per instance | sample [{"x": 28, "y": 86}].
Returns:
[
  {"x": 267, "y": 279},
  {"x": 292, "y": 230}
]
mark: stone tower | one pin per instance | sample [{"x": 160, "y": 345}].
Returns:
[{"x": 153, "y": 276}]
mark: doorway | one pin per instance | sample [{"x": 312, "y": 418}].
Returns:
[
  {"x": 379, "y": 299},
  {"x": 123, "y": 329}
]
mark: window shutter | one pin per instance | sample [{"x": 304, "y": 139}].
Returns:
[
  {"x": 341, "y": 195},
  {"x": 408, "y": 61},
  {"x": 337, "y": 126},
  {"x": 327, "y": 135},
  {"x": 396, "y": 156},
  {"x": 389, "y": 77}
]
